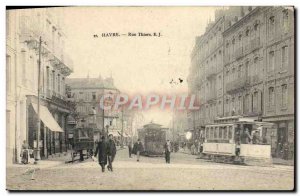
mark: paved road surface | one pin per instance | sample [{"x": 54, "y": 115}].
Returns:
[{"x": 151, "y": 173}]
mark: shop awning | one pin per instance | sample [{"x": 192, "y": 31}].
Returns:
[{"x": 47, "y": 118}]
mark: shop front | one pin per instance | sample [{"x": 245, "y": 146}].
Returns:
[{"x": 282, "y": 137}]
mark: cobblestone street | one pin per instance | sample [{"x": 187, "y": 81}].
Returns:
[{"x": 184, "y": 173}]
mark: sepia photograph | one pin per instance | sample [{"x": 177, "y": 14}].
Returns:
[{"x": 141, "y": 98}]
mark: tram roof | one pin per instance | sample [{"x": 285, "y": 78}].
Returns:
[{"x": 242, "y": 122}]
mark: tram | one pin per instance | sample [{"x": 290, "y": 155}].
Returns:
[
  {"x": 153, "y": 137},
  {"x": 241, "y": 141}
]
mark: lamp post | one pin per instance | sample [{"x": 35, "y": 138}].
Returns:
[
  {"x": 107, "y": 126},
  {"x": 38, "y": 156},
  {"x": 122, "y": 132}
]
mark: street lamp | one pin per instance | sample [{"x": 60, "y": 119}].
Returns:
[
  {"x": 107, "y": 126},
  {"x": 38, "y": 155}
]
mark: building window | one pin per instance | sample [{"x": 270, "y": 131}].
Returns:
[
  {"x": 53, "y": 81},
  {"x": 255, "y": 66},
  {"x": 256, "y": 30},
  {"x": 7, "y": 24},
  {"x": 240, "y": 71},
  {"x": 256, "y": 27},
  {"x": 271, "y": 96},
  {"x": 227, "y": 76},
  {"x": 247, "y": 69},
  {"x": 94, "y": 96},
  {"x": 232, "y": 107},
  {"x": 8, "y": 73},
  {"x": 220, "y": 108},
  {"x": 24, "y": 68},
  {"x": 246, "y": 103},
  {"x": 233, "y": 74},
  {"x": 47, "y": 79},
  {"x": 271, "y": 26},
  {"x": 80, "y": 96},
  {"x": 284, "y": 56},
  {"x": 247, "y": 33},
  {"x": 63, "y": 86},
  {"x": 58, "y": 83},
  {"x": 271, "y": 61},
  {"x": 285, "y": 18},
  {"x": 227, "y": 106},
  {"x": 219, "y": 82},
  {"x": 255, "y": 101},
  {"x": 240, "y": 105},
  {"x": 284, "y": 95}
]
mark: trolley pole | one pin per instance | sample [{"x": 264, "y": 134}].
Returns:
[
  {"x": 122, "y": 132},
  {"x": 38, "y": 156}
]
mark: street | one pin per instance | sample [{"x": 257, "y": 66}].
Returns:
[{"x": 184, "y": 173}]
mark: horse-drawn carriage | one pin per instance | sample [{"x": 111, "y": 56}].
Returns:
[{"x": 82, "y": 142}]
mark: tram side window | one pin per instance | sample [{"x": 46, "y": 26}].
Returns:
[
  {"x": 211, "y": 133},
  {"x": 207, "y": 133},
  {"x": 215, "y": 133},
  {"x": 225, "y": 132},
  {"x": 229, "y": 132},
  {"x": 220, "y": 132}
]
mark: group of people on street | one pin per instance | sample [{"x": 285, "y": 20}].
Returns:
[
  {"x": 106, "y": 151},
  {"x": 137, "y": 148},
  {"x": 253, "y": 137}
]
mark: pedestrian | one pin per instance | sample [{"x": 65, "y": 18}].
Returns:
[
  {"x": 111, "y": 151},
  {"x": 167, "y": 151},
  {"x": 138, "y": 148},
  {"x": 101, "y": 150},
  {"x": 24, "y": 153},
  {"x": 130, "y": 149},
  {"x": 256, "y": 138}
]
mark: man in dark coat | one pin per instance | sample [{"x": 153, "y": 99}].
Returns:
[
  {"x": 138, "y": 148},
  {"x": 167, "y": 151},
  {"x": 130, "y": 149},
  {"x": 101, "y": 150},
  {"x": 111, "y": 152}
]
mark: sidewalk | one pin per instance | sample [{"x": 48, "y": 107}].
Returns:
[{"x": 278, "y": 161}]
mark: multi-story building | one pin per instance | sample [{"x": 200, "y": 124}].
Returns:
[
  {"x": 206, "y": 73},
  {"x": 254, "y": 76},
  {"x": 243, "y": 64},
  {"x": 32, "y": 36},
  {"x": 279, "y": 81},
  {"x": 87, "y": 93}
]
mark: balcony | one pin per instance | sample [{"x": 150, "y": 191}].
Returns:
[
  {"x": 30, "y": 33},
  {"x": 238, "y": 85}
]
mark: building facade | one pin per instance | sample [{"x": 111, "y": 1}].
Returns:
[
  {"x": 25, "y": 28},
  {"x": 254, "y": 75},
  {"x": 87, "y": 93},
  {"x": 279, "y": 81}
]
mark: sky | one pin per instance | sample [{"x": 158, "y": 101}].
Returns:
[{"x": 139, "y": 65}]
